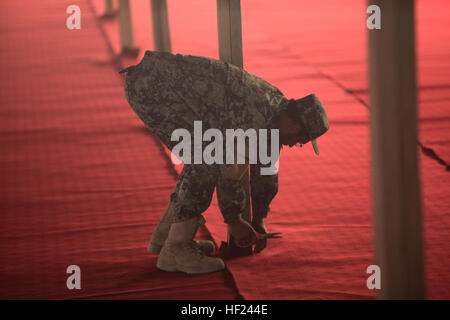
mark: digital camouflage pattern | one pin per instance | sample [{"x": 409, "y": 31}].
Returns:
[{"x": 170, "y": 91}]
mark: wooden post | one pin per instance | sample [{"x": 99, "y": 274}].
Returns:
[
  {"x": 126, "y": 29},
  {"x": 396, "y": 188},
  {"x": 161, "y": 31}
]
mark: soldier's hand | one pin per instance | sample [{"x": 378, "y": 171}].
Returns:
[
  {"x": 260, "y": 227},
  {"x": 243, "y": 233}
]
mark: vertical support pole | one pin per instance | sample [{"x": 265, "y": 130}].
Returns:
[
  {"x": 125, "y": 27},
  {"x": 230, "y": 31},
  {"x": 230, "y": 50},
  {"x": 396, "y": 187},
  {"x": 110, "y": 12},
  {"x": 109, "y": 7},
  {"x": 229, "y": 27},
  {"x": 161, "y": 31}
]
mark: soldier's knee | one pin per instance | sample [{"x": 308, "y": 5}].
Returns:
[{"x": 194, "y": 190}]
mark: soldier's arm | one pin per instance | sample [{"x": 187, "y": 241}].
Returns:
[
  {"x": 263, "y": 191},
  {"x": 230, "y": 192}
]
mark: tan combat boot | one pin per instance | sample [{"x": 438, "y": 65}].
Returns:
[
  {"x": 159, "y": 236},
  {"x": 181, "y": 253}
]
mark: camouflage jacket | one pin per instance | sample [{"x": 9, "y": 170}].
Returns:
[{"x": 218, "y": 93}]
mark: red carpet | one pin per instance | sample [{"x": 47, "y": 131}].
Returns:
[{"x": 84, "y": 183}]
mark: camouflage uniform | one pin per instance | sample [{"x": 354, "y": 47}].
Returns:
[{"x": 169, "y": 92}]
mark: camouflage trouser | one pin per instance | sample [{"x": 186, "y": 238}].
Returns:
[
  {"x": 195, "y": 187},
  {"x": 196, "y": 183},
  {"x": 194, "y": 190}
]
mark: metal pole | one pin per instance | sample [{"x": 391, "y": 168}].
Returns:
[
  {"x": 109, "y": 7},
  {"x": 396, "y": 187},
  {"x": 229, "y": 27},
  {"x": 230, "y": 50},
  {"x": 230, "y": 31},
  {"x": 161, "y": 31},
  {"x": 110, "y": 12},
  {"x": 125, "y": 27}
]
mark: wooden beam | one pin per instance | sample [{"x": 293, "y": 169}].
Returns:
[
  {"x": 161, "y": 31},
  {"x": 230, "y": 31},
  {"x": 396, "y": 188}
]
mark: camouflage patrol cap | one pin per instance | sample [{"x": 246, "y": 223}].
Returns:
[{"x": 313, "y": 118}]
